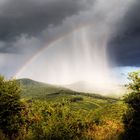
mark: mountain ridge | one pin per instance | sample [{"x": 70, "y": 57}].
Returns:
[{"x": 34, "y": 89}]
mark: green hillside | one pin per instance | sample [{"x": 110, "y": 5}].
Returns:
[
  {"x": 39, "y": 90},
  {"x": 34, "y": 89},
  {"x": 53, "y": 94}
]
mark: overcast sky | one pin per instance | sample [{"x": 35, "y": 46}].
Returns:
[{"x": 27, "y": 25}]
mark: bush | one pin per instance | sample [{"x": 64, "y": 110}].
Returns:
[
  {"x": 10, "y": 107},
  {"x": 57, "y": 121},
  {"x": 76, "y": 99},
  {"x": 131, "y": 118}
]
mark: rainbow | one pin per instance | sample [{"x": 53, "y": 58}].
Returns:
[{"x": 50, "y": 43}]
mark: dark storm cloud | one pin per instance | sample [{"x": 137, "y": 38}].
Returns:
[
  {"x": 23, "y": 21},
  {"x": 6, "y": 47},
  {"x": 32, "y": 16},
  {"x": 125, "y": 46}
]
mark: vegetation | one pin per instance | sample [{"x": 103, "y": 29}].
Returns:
[
  {"x": 37, "y": 90},
  {"x": 131, "y": 118},
  {"x": 57, "y": 113},
  {"x": 10, "y": 107}
]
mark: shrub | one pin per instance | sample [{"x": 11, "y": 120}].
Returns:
[
  {"x": 131, "y": 118},
  {"x": 10, "y": 107},
  {"x": 57, "y": 121},
  {"x": 76, "y": 99}
]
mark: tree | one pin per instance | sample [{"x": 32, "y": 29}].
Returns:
[
  {"x": 10, "y": 107},
  {"x": 131, "y": 118}
]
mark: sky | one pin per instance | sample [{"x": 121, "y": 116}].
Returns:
[{"x": 28, "y": 26}]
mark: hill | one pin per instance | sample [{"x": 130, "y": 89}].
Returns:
[
  {"x": 30, "y": 82},
  {"x": 54, "y": 94},
  {"x": 35, "y": 89}
]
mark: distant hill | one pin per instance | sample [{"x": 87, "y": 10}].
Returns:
[
  {"x": 80, "y": 86},
  {"x": 115, "y": 91},
  {"x": 35, "y": 89},
  {"x": 30, "y": 82}
]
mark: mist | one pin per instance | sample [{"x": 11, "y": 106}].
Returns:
[{"x": 79, "y": 59}]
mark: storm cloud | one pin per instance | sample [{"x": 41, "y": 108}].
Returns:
[
  {"x": 124, "y": 47},
  {"x": 26, "y": 26},
  {"x": 32, "y": 16}
]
